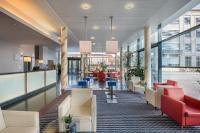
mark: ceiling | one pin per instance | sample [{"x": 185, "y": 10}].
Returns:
[
  {"x": 125, "y": 21},
  {"x": 14, "y": 31}
]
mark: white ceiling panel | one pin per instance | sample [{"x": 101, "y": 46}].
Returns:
[{"x": 125, "y": 21}]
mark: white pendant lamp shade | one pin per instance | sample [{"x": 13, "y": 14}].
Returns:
[
  {"x": 111, "y": 47},
  {"x": 85, "y": 47}
]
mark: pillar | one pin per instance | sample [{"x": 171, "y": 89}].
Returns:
[
  {"x": 82, "y": 66},
  {"x": 63, "y": 47},
  {"x": 147, "y": 55}
]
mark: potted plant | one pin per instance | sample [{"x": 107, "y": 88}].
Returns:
[{"x": 68, "y": 121}]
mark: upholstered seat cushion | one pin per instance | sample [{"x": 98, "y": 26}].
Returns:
[
  {"x": 81, "y": 112},
  {"x": 191, "y": 112},
  {"x": 19, "y": 130}
]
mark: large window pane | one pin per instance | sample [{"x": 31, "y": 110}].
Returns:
[{"x": 154, "y": 64}]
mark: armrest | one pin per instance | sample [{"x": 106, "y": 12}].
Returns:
[
  {"x": 150, "y": 93},
  {"x": 150, "y": 96},
  {"x": 169, "y": 104},
  {"x": 63, "y": 109},
  {"x": 21, "y": 118},
  {"x": 155, "y": 85},
  {"x": 192, "y": 102},
  {"x": 94, "y": 113}
]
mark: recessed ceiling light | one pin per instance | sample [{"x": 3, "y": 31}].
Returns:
[
  {"x": 93, "y": 43},
  {"x": 92, "y": 37},
  {"x": 129, "y": 6},
  {"x": 85, "y": 6},
  {"x": 113, "y": 38},
  {"x": 95, "y": 27}
]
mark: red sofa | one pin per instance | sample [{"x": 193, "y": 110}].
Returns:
[
  {"x": 169, "y": 82},
  {"x": 181, "y": 108}
]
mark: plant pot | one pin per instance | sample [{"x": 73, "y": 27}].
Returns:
[{"x": 67, "y": 125}]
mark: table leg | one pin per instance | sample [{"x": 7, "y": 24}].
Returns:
[{"x": 111, "y": 95}]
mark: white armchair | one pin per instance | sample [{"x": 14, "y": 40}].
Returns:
[
  {"x": 154, "y": 96},
  {"x": 19, "y": 122},
  {"x": 136, "y": 84},
  {"x": 81, "y": 105}
]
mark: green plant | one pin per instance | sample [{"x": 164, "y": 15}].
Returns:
[
  {"x": 135, "y": 72},
  {"x": 103, "y": 66},
  {"x": 67, "y": 119}
]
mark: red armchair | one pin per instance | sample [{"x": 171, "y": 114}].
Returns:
[
  {"x": 101, "y": 76},
  {"x": 95, "y": 73},
  {"x": 183, "y": 109},
  {"x": 169, "y": 82}
]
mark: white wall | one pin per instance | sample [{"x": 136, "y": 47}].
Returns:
[
  {"x": 50, "y": 54},
  {"x": 10, "y": 56},
  {"x": 11, "y": 59}
]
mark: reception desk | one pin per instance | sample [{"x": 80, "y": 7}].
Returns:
[{"x": 13, "y": 85}]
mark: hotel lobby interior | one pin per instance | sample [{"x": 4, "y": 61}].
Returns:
[{"x": 105, "y": 66}]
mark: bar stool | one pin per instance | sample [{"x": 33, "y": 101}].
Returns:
[
  {"x": 83, "y": 83},
  {"x": 111, "y": 84}
]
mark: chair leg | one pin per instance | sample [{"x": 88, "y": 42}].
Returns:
[
  {"x": 147, "y": 102},
  {"x": 162, "y": 113}
]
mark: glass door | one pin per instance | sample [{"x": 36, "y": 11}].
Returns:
[{"x": 74, "y": 65}]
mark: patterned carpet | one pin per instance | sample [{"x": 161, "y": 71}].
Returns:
[{"x": 130, "y": 115}]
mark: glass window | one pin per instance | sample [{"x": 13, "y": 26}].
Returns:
[
  {"x": 141, "y": 59},
  {"x": 188, "y": 47},
  {"x": 198, "y": 61},
  {"x": 198, "y": 33},
  {"x": 198, "y": 47},
  {"x": 154, "y": 64},
  {"x": 188, "y": 61},
  {"x": 188, "y": 34},
  {"x": 187, "y": 22},
  {"x": 197, "y": 20},
  {"x": 171, "y": 29}
]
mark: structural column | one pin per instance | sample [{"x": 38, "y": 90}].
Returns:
[
  {"x": 82, "y": 66},
  {"x": 147, "y": 55},
  {"x": 63, "y": 46}
]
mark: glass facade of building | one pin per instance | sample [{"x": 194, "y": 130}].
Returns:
[{"x": 176, "y": 55}]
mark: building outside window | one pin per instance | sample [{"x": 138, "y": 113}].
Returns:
[
  {"x": 188, "y": 34},
  {"x": 198, "y": 33},
  {"x": 197, "y": 20},
  {"x": 188, "y": 61},
  {"x": 198, "y": 47},
  {"x": 198, "y": 61},
  {"x": 188, "y": 47},
  {"x": 187, "y": 22}
]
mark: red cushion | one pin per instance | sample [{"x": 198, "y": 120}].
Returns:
[
  {"x": 191, "y": 112},
  {"x": 175, "y": 93},
  {"x": 171, "y": 82}
]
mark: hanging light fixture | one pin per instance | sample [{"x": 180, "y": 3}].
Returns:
[
  {"x": 85, "y": 45},
  {"x": 111, "y": 46}
]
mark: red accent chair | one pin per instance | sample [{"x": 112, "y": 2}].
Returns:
[
  {"x": 95, "y": 74},
  {"x": 169, "y": 82},
  {"x": 183, "y": 109},
  {"x": 101, "y": 76}
]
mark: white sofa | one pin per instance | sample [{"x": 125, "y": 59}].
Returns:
[
  {"x": 19, "y": 122},
  {"x": 154, "y": 96},
  {"x": 136, "y": 84},
  {"x": 81, "y": 105}
]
